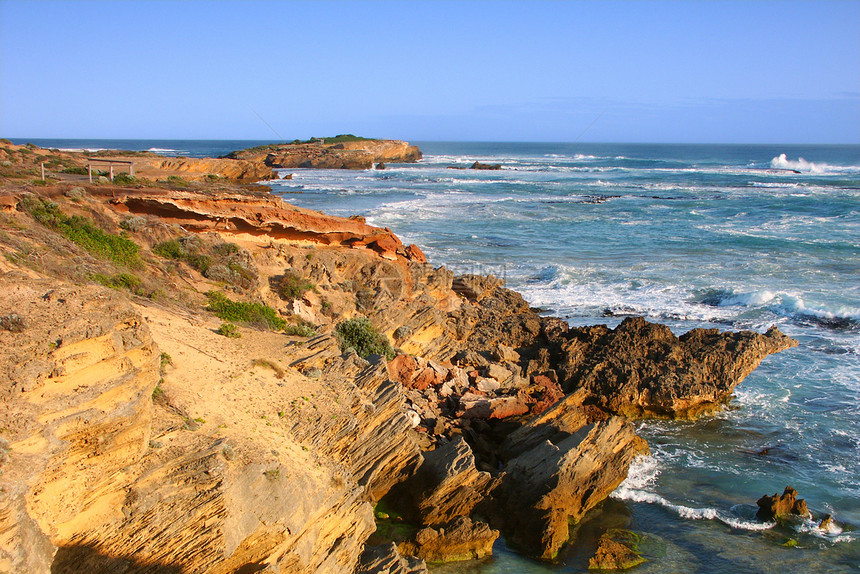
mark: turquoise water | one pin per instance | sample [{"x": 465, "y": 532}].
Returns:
[{"x": 733, "y": 237}]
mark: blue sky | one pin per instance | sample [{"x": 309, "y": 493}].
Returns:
[{"x": 633, "y": 71}]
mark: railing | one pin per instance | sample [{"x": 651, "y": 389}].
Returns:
[{"x": 91, "y": 161}]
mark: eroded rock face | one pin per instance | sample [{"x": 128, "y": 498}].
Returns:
[
  {"x": 563, "y": 475},
  {"x": 449, "y": 485},
  {"x": 268, "y": 217},
  {"x": 76, "y": 412},
  {"x": 85, "y": 488},
  {"x": 642, "y": 368}
]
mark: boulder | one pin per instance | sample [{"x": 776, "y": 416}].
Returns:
[
  {"x": 476, "y": 287},
  {"x": 776, "y": 506},
  {"x": 463, "y": 539}
]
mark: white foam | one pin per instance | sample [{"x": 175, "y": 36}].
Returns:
[
  {"x": 751, "y": 299},
  {"x": 782, "y": 162},
  {"x": 643, "y": 474}
]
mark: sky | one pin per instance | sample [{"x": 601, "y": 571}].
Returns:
[{"x": 629, "y": 71}]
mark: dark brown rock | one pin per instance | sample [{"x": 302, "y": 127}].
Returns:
[
  {"x": 776, "y": 506},
  {"x": 642, "y": 369},
  {"x": 486, "y": 166}
]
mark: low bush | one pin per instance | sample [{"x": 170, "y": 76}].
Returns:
[
  {"x": 229, "y": 330},
  {"x": 124, "y": 179},
  {"x": 293, "y": 286},
  {"x": 241, "y": 312},
  {"x": 300, "y": 330},
  {"x": 359, "y": 334},
  {"x": 82, "y": 231}
]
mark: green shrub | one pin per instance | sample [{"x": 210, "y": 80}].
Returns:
[
  {"x": 119, "y": 281},
  {"x": 76, "y": 170},
  {"x": 293, "y": 286},
  {"x": 225, "y": 249},
  {"x": 124, "y": 179},
  {"x": 300, "y": 330},
  {"x": 81, "y": 230},
  {"x": 358, "y": 333},
  {"x": 229, "y": 330},
  {"x": 242, "y": 312},
  {"x": 170, "y": 249}
]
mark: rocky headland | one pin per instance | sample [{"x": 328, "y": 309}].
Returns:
[{"x": 201, "y": 377}]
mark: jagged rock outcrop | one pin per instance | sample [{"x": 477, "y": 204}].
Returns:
[
  {"x": 778, "y": 506},
  {"x": 566, "y": 467},
  {"x": 448, "y": 485},
  {"x": 642, "y": 368}
]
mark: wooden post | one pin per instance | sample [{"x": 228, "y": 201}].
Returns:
[
  {"x": 90, "y": 171},
  {"x": 131, "y": 169},
  {"x": 111, "y": 173},
  {"x": 43, "y": 171}
]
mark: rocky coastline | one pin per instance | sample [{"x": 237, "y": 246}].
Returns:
[{"x": 138, "y": 434}]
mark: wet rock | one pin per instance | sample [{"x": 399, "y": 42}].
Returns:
[
  {"x": 380, "y": 165},
  {"x": 463, "y": 539},
  {"x": 617, "y": 549},
  {"x": 485, "y": 166},
  {"x": 779, "y": 506}
]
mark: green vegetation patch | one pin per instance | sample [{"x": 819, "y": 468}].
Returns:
[
  {"x": 359, "y": 334},
  {"x": 82, "y": 231},
  {"x": 229, "y": 330},
  {"x": 293, "y": 286},
  {"x": 241, "y": 312}
]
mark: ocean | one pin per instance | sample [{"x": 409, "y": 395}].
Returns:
[{"x": 725, "y": 236}]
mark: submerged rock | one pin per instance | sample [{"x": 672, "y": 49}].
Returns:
[{"x": 617, "y": 549}]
